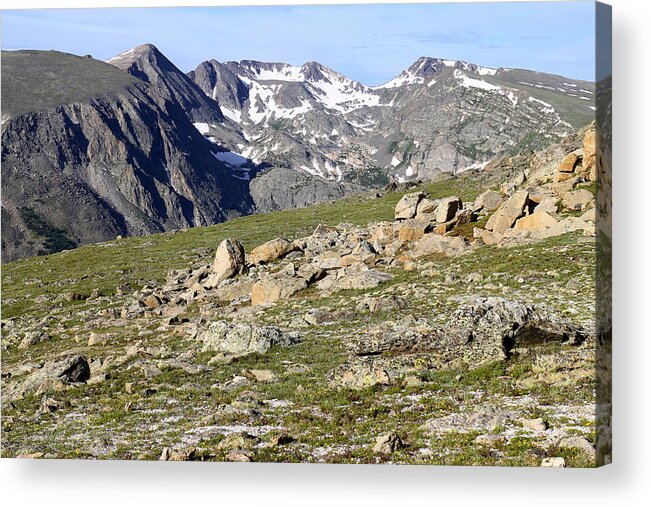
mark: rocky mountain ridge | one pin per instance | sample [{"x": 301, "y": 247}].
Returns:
[{"x": 137, "y": 146}]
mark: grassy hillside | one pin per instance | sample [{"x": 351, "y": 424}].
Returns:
[
  {"x": 37, "y": 80},
  {"x": 139, "y": 259}
]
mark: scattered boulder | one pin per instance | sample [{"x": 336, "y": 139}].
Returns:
[
  {"x": 238, "y": 442},
  {"x": 52, "y": 375},
  {"x": 590, "y": 216},
  {"x": 152, "y": 301},
  {"x": 411, "y": 230},
  {"x": 388, "y": 444},
  {"x": 276, "y": 287},
  {"x": 580, "y": 444},
  {"x": 229, "y": 261},
  {"x": 485, "y": 417},
  {"x": 447, "y": 209},
  {"x": 578, "y": 200},
  {"x": 553, "y": 462},
  {"x": 271, "y": 251},
  {"x": 436, "y": 244},
  {"x": 426, "y": 209},
  {"x": 32, "y": 338},
  {"x": 241, "y": 338},
  {"x": 547, "y": 205},
  {"x": 487, "y": 237},
  {"x": 569, "y": 224},
  {"x": 96, "y": 339},
  {"x": 407, "y": 206},
  {"x": 536, "y": 222},
  {"x": 509, "y": 212},
  {"x": 353, "y": 278},
  {"x": 570, "y": 161},
  {"x": 489, "y": 200}
]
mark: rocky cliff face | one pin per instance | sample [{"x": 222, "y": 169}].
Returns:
[{"x": 121, "y": 161}]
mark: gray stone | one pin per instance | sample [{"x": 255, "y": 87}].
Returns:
[
  {"x": 407, "y": 206},
  {"x": 222, "y": 336}
]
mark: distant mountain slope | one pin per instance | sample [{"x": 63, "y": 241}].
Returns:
[
  {"x": 110, "y": 154},
  {"x": 94, "y": 149},
  {"x": 436, "y": 116}
]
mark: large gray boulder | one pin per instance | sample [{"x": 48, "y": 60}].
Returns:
[
  {"x": 53, "y": 374},
  {"x": 242, "y": 339},
  {"x": 447, "y": 209},
  {"x": 407, "y": 206}
]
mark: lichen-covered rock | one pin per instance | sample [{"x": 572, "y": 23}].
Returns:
[
  {"x": 52, "y": 375},
  {"x": 222, "y": 336}
]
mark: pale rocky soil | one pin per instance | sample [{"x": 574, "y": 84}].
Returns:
[{"x": 460, "y": 333}]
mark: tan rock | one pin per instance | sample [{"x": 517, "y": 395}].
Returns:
[
  {"x": 261, "y": 375},
  {"x": 406, "y": 207},
  {"x": 433, "y": 243},
  {"x": 508, "y": 212},
  {"x": 229, "y": 260},
  {"x": 388, "y": 444},
  {"x": 271, "y": 251},
  {"x": 411, "y": 230},
  {"x": 237, "y": 290},
  {"x": 487, "y": 237},
  {"x": 547, "y": 205},
  {"x": 536, "y": 222},
  {"x": 553, "y": 462},
  {"x": 276, "y": 287},
  {"x": 447, "y": 209},
  {"x": 563, "y": 187},
  {"x": 533, "y": 424},
  {"x": 590, "y": 154},
  {"x": 590, "y": 216},
  {"x": 383, "y": 233},
  {"x": 578, "y": 200},
  {"x": 426, "y": 209},
  {"x": 96, "y": 339},
  {"x": 152, "y": 301},
  {"x": 569, "y": 163},
  {"x": 489, "y": 200},
  {"x": 569, "y": 224}
]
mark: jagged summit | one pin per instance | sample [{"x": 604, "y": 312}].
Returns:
[{"x": 147, "y": 63}]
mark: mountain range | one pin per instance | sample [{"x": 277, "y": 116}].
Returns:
[{"x": 131, "y": 146}]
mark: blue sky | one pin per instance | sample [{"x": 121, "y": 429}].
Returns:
[{"x": 369, "y": 43}]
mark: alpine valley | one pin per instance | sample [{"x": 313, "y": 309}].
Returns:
[{"x": 92, "y": 150}]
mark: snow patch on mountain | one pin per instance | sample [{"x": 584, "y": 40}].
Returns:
[{"x": 468, "y": 82}]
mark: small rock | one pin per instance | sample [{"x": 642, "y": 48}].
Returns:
[
  {"x": 554, "y": 462},
  {"x": 388, "y": 443},
  {"x": 533, "y": 424}
]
